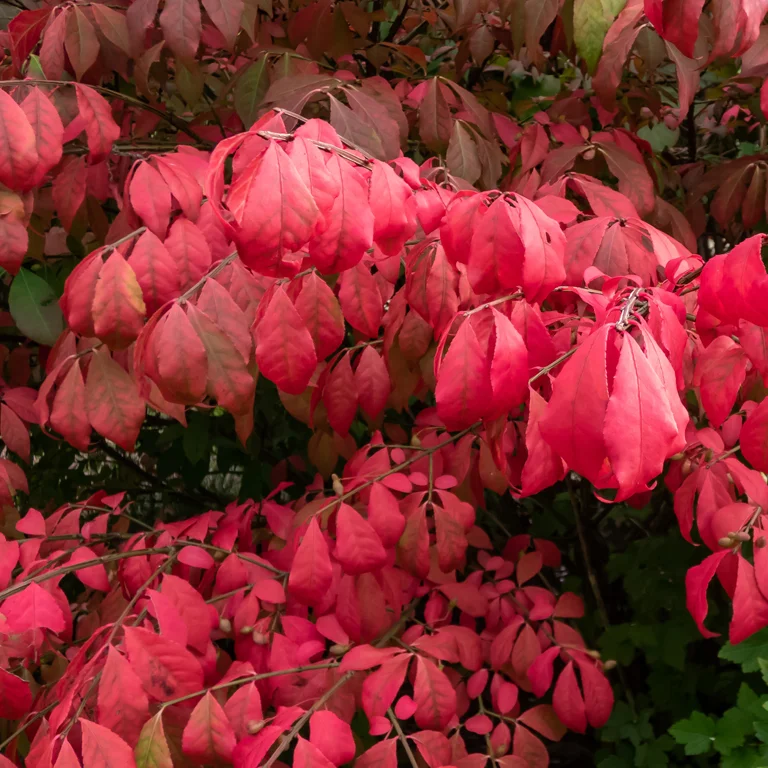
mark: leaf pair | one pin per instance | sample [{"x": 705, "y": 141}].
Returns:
[{"x": 615, "y": 415}]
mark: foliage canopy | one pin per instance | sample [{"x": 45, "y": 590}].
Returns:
[{"x": 348, "y": 348}]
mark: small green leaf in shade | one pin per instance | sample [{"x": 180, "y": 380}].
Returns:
[
  {"x": 35, "y": 309},
  {"x": 591, "y": 21},
  {"x": 250, "y": 89},
  {"x": 696, "y": 733}
]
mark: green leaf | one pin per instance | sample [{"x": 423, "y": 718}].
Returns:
[
  {"x": 732, "y": 729},
  {"x": 696, "y": 733},
  {"x": 591, "y": 21},
  {"x": 614, "y": 762},
  {"x": 250, "y": 89},
  {"x": 748, "y": 652},
  {"x": 195, "y": 440},
  {"x": 34, "y": 308}
]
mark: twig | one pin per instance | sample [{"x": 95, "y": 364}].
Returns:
[
  {"x": 343, "y": 680},
  {"x": 176, "y": 122},
  {"x": 401, "y": 735},
  {"x": 250, "y": 679},
  {"x": 547, "y": 368},
  {"x": 112, "y": 635},
  {"x": 188, "y": 294},
  {"x": 72, "y": 567}
]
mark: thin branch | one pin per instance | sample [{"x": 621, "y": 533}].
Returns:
[
  {"x": 340, "y": 683},
  {"x": 72, "y": 567},
  {"x": 170, "y": 118},
  {"x": 547, "y": 368},
  {"x": 400, "y": 735},
  {"x": 188, "y": 294},
  {"x": 250, "y": 679}
]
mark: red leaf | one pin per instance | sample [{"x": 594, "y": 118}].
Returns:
[
  {"x": 94, "y": 576},
  {"x": 720, "y": 372},
  {"x": 321, "y": 313},
  {"x": 69, "y": 187},
  {"x": 573, "y": 421},
  {"x": 696, "y": 582},
  {"x": 151, "y": 198},
  {"x": 13, "y": 432},
  {"x": 15, "y": 696},
  {"x": 33, "y": 608},
  {"x": 208, "y": 736},
  {"x": 360, "y": 300},
  {"x": 332, "y": 736},
  {"x": 166, "y": 669},
  {"x": 311, "y": 572},
  {"x": 18, "y": 153},
  {"x": 118, "y": 307},
  {"x": 393, "y": 219},
  {"x": 340, "y": 396},
  {"x": 358, "y": 546},
  {"x": 750, "y": 608},
  {"x": 80, "y": 41},
  {"x": 182, "y": 27},
  {"x": 307, "y": 755},
  {"x": 284, "y": 349},
  {"x": 46, "y": 125},
  {"x": 115, "y": 409},
  {"x": 381, "y": 687},
  {"x": 348, "y": 228},
  {"x": 529, "y": 748},
  {"x": 509, "y": 367},
  {"x": 598, "y": 694},
  {"x": 123, "y": 705},
  {"x": 676, "y": 21},
  {"x": 100, "y": 127},
  {"x": 192, "y": 609},
  {"x": 381, "y": 755},
  {"x": 104, "y": 749},
  {"x": 434, "y": 695},
  {"x": 219, "y": 305},
  {"x": 189, "y": 251},
  {"x": 274, "y": 210},
  {"x": 568, "y": 700},
  {"x": 372, "y": 382},
  {"x": 463, "y": 391},
  {"x": 244, "y": 707},
  {"x": 226, "y": 16},
  {"x": 754, "y": 437},
  {"x": 67, "y": 757},
  {"x": 413, "y": 547},
  {"x": 542, "y": 718},
  {"x": 24, "y": 31},
  {"x": 229, "y": 380},
  {"x": 496, "y": 254},
  {"x": 68, "y": 415},
  {"x": 156, "y": 271},
  {"x": 384, "y": 515},
  {"x": 638, "y": 408}
]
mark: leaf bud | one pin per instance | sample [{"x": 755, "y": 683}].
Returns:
[
  {"x": 259, "y": 637},
  {"x": 225, "y": 625},
  {"x": 589, "y": 154},
  {"x": 415, "y": 442},
  {"x": 610, "y": 664},
  {"x": 726, "y": 541},
  {"x": 338, "y": 650},
  {"x": 338, "y": 487},
  {"x": 254, "y": 726},
  {"x": 760, "y": 542},
  {"x": 742, "y": 536},
  {"x": 246, "y": 630}
]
